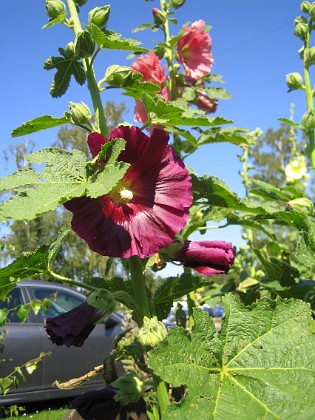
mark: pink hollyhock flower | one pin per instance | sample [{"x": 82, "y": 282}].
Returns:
[
  {"x": 148, "y": 206},
  {"x": 194, "y": 50},
  {"x": 149, "y": 66},
  {"x": 73, "y": 327},
  {"x": 206, "y": 257}
]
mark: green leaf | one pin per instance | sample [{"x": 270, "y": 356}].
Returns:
[
  {"x": 174, "y": 288},
  {"x": 217, "y": 193},
  {"x": 112, "y": 40},
  {"x": 25, "y": 266},
  {"x": 20, "y": 178},
  {"x": 67, "y": 65},
  {"x": 37, "y": 124},
  {"x": 303, "y": 253},
  {"x": 227, "y": 135},
  {"x": 270, "y": 192},
  {"x": 260, "y": 365},
  {"x": 171, "y": 113},
  {"x": 63, "y": 178},
  {"x": 217, "y": 92},
  {"x": 291, "y": 123},
  {"x": 22, "y": 312},
  {"x": 54, "y": 248},
  {"x": 55, "y": 21}
]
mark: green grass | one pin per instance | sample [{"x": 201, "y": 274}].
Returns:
[{"x": 53, "y": 414}]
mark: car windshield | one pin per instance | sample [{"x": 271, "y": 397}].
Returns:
[{"x": 60, "y": 301}]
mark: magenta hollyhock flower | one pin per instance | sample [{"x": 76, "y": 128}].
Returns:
[
  {"x": 194, "y": 50},
  {"x": 73, "y": 327},
  {"x": 206, "y": 257},
  {"x": 147, "y": 208}
]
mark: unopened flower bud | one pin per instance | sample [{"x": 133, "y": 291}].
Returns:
[
  {"x": 301, "y": 205},
  {"x": 119, "y": 76},
  {"x": 79, "y": 113},
  {"x": 130, "y": 388},
  {"x": 305, "y": 6},
  {"x": 151, "y": 333},
  {"x": 312, "y": 11},
  {"x": 301, "y": 28},
  {"x": 85, "y": 45},
  {"x": 294, "y": 81},
  {"x": 310, "y": 56},
  {"x": 177, "y": 3},
  {"x": 99, "y": 16},
  {"x": 55, "y": 8},
  {"x": 158, "y": 17},
  {"x": 308, "y": 119}
]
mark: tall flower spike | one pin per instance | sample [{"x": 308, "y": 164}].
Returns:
[
  {"x": 206, "y": 257},
  {"x": 194, "y": 50},
  {"x": 147, "y": 208}
]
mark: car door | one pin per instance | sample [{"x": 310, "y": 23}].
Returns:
[{"x": 22, "y": 342}]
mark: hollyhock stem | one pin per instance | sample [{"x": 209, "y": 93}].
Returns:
[
  {"x": 90, "y": 75},
  {"x": 136, "y": 268},
  {"x": 169, "y": 55}
]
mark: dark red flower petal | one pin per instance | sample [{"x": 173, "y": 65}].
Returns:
[
  {"x": 206, "y": 257},
  {"x": 73, "y": 327},
  {"x": 161, "y": 196}
]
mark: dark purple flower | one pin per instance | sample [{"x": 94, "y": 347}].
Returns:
[
  {"x": 206, "y": 257},
  {"x": 146, "y": 209},
  {"x": 73, "y": 327}
]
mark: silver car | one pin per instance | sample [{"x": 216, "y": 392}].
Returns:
[{"x": 25, "y": 342}]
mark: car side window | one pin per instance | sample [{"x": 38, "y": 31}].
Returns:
[
  {"x": 12, "y": 301},
  {"x": 60, "y": 301}
]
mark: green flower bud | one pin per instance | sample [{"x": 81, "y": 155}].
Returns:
[
  {"x": 301, "y": 28},
  {"x": 55, "y": 8},
  {"x": 159, "y": 17},
  {"x": 310, "y": 56},
  {"x": 305, "y": 6},
  {"x": 312, "y": 11},
  {"x": 102, "y": 299},
  {"x": 294, "y": 81},
  {"x": 308, "y": 119},
  {"x": 151, "y": 333},
  {"x": 119, "y": 76},
  {"x": 130, "y": 388},
  {"x": 85, "y": 45},
  {"x": 99, "y": 16},
  {"x": 301, "y": 205},
  {"x": 177, "y": 3},
  {"x": 79, "y": 113}
]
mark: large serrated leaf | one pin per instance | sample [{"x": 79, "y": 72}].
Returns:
[
  {"x": 68, "y": 65},
  {"x": 260, "y": 365},
  {"x": 174, "y": 114},
  {"x": 37, "y": 124},
  {"x": 22, "y": 177},
  {"x": 229, "y": 135},
  {"x": 112, "y": 40},
  {"x": 64, "y": 177}
]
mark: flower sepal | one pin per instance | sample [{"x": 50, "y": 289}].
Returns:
[{"x": 102, "y": 299}]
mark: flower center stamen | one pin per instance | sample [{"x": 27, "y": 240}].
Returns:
[
  {"x": 121, "y": 194},
  {"x": 125, "y": 195}
]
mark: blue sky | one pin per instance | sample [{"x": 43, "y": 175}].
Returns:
[{"x": 253, "y": 48}]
